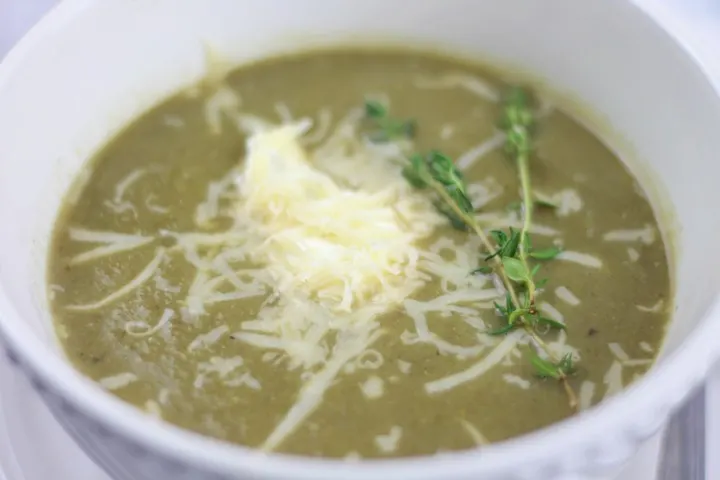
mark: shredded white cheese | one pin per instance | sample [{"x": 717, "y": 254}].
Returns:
[
  {"x": 388, "y": 443},
  {"x": 516, "y": 380},
  {"x": 653, "y": 308},
  {"x": 552, "y": 312},
  {"x": 139, "y": 328},
  {"x": 568, "y": 201},
  {"x": 114, "y": 243},
  {"x": 613, "y": 379},
  {"x": 482, "y": 193},
  {"x": 373, "y": 387},
  {"x": 447, "y": 131},
  {"x": 370, "y": 359},
  {"x": 342, "y": 247},
  {"x": 173, "y": 121},
  {"x": 564, "y": 294},
  {"x": 404, "y": 366},
  {"x": 584, "y": 259},
  {"x": 118, "y": 381},
  {"x": 625, "y": 359},
  {"x": 618, "y": 352},
  {"x": 224, "y": 102},
  {"x": 349, "y": 345},
  {"x": 284, "y": 112},
  {"x": 476, "y": 370},
  {"x": 208, "y": 339},
  {"x": 153, "y": 409},
  {"x": 473, "y": 84},
  {"x": 587, "y": 391},
  {"x": 352, "y": 457},
  {"x": 645, "y": 235},
  {"x": 321, "y": 130},
  {"x": 118, "y": 204},
  {"x": 142, "y": 277},
  {"x": 474, "y": 433},
  {"x": 469, "y": 158},
  {"x": 228, "y": 371}
]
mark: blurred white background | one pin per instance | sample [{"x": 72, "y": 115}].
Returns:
[{"x": 16, "y": 16}]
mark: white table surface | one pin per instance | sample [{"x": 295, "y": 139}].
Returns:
[{"x": 697, "y": 20}]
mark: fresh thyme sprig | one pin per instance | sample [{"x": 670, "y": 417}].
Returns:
[
  {"x": 508, "y": 253},
  {"x": 517, "y": 121}
]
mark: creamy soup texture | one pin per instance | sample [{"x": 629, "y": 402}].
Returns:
[{"x": 247, "y": 261}]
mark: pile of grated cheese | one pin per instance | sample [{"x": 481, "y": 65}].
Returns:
[{"x": 342, "y": 247}]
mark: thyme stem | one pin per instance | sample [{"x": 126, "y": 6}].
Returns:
[
  {"x": 473, "y": 224},
  {"x": 528, "y": 205}
]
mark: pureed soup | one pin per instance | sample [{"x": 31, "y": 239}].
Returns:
[{"x": 359, "y": 254}]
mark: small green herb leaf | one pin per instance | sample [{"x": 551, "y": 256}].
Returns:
[
  {"x": 499, "y": 236},
  {"x": 516, "y": 120},
  {"x": 407, "y": 128},
  {"x": 511, "y": 246},
  {"x": 516, "y": 317},
  {"x": 456, "y": 222},
  {"x": 444, "y": 171},
  {"x": 546, "y": 253},
  {"x": 392, "y": 129},
  {"x": 509, "y": 306},
  {"x": 516, "y": 206},
  {"x": 527, "y": 242},
  {"x": 501, "y": 310},
  {"x": 501, "y": 239},
  {"x": 545, "y": 368},
  {"x": 482, "y": 270},
  {"x": 518, "y": 141},
  {"x": 545, "y": 203},
  {"x": 534, "y": 271},
  {"x": 413, "y": 179},
  {"x": 550, "y": 322},
  {"x": 416, "y": 172},
  {"x": 375, "y": 109},
  {"x": 388, "y": 128},
  {"x": 541, "y": 283},
  {"x": 567, "y": 365},
  {"x": 460, "y": 198},
  {"x": 517, "y": 97},
  {"x": 515, "y": 269},
  {"x": 502, "y": 330}
]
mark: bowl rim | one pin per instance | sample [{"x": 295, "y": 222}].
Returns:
[{"x": 687, "y": 366}]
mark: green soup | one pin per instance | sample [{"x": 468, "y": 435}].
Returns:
[{"x": 123, "y": 269}]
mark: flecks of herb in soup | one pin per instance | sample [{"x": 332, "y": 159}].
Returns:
[{"x": 120, "y": 282}]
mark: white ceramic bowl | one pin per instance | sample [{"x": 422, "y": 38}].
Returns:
[{"x": 92, "y": 66}]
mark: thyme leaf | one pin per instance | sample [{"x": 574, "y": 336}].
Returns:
[
  {"x": 558, "y": 370},
  {"x": 388, "y": 128},
  {"x": 545, "y": 254},
  {"x": 515, "y": 269}
]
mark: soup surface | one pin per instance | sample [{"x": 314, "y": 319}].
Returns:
[{"x": 247, "y": 261}]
